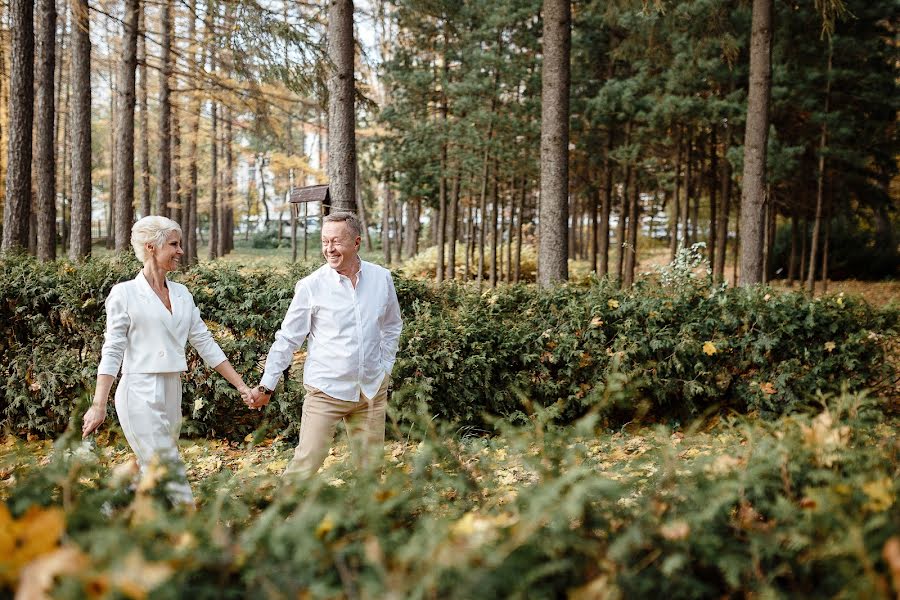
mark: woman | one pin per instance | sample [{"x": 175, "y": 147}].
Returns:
[{"x": 148, "y": 322}]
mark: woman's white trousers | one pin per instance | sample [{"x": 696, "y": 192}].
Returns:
[{"x": 149, "y": 409}]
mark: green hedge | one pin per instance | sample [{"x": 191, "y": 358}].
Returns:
[{"x": 664, "y": 350}]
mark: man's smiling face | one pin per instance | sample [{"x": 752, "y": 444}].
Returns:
[{"x": 340, "y": 248}]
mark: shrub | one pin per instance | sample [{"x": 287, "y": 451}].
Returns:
[
  {"x": 801, "y": 507},
  {"x": 668, "y": 350}
]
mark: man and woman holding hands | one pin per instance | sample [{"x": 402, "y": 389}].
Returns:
[{"x": 347, "y": 311}]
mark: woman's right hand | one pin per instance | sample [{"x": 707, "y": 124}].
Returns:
[{"x": 93, "y": 418}]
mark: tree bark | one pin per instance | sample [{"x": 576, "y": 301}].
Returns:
[
  {"x": 795, "y": 239},
  {"x": 227, "y": 141},
  {"x": 713, "y": 182},
  {"x": 214, "y": 184},
  {"x": 45, "y": 163},
  {"x": 17, "y": 210},
  {"x": 495, "y": 217},
  {"x": 676, "y": 201},
  {"x": 144, "y": 118},
  {"x": 633, "y": 227},
  {"x": 755, "y": 140},
  {"x": 341, "y": 107},
  {"x": 520, "y": 210},
  {"x": 454, "y": 225},
  {"x": 820, "y": 183},
  {"x": 606, "y": 206},
  {"x": 164, "y": 171},
  {"x": 124, "y": 176},
  {"x": 688, "y": 181},
  {"x": 80, "y": 242},
  {"x": 553, "y": 260},
  {"x": 722, "y": 220},
  {"x": 385, "y": 221}
]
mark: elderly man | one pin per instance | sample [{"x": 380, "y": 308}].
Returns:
[{"x": 348, "y": 310}]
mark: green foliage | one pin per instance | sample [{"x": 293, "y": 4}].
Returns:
[
  {"x": 802, "y": 507},
  {"x": 677, "y": 348}
]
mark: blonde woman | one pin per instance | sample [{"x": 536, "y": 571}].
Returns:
[{"x": 149, "y": 320}]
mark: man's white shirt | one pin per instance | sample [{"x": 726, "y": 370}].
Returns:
[{"x": 352, "y": 333}]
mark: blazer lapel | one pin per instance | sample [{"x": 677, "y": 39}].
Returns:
[
  {"x": 153, "y": 302},
  {"x": 178, "y": 308}
]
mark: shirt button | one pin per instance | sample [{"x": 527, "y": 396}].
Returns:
[{"x": 162, "y": 353}]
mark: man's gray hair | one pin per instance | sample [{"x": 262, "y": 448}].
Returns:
[
  {"x": 349, "y": 218},
  {"x": 153, "y": 229}
]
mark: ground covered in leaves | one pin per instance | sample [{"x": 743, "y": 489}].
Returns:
[{"x": 805, "y": 505}]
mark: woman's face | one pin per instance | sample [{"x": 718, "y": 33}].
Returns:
[{"x": 168, "y": 256}]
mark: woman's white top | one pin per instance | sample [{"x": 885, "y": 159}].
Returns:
[{"x": 142, "y": 336}]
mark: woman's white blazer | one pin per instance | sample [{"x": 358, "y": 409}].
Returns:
[{"x": 142, "y": 336}]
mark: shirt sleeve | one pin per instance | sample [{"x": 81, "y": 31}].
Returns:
[
  {"x": 293, "y": 332},
  {"x": 116, "y": 337},
  {"x": 202, "y": 339},
  {"x": 391, "y": 327}
]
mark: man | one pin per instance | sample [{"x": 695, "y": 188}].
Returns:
[{"x": 349, "y": 312}]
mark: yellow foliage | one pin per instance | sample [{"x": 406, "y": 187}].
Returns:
[{"x": 35, "y": 533}]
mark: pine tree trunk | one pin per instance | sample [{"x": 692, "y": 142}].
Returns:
[
  {"x": 553, "y": 259},
  {"x": 621, "y": 228},
  {"x": 820, "y": 183},
  {"x": 17, "y": 210},
  {"x": 164, "y": 171},
  {"x": 606, "y": 206},
  {"x": 470, "y": 241},
  {"x": 385, "y": 221},
  {"x": 724, "y": 213},
  {"x": 454, "y": 227},
  {"x": 509, "y": 230},
  {"x": 686, "y": 240},
  {"x": 633, "y": 226},
  {"x": 676, "y": 201},
  {"x": 144, "y": 146},
  {"x": 227, "y": 142},
  {"x": 755, "y": 140},
  {"x": 482, "y": 210},
  {"x": 124, "y": 176},
  {"x": 213, "y": 251},
  {"x": 176, "y": 206},
  {"x": 341, "y": 107},
  {"x": 197, "y": 59},
  {"x": 412, "y": 226},
  {"x": 495, "y": 217},
  {"x": 520, "y": 210},
  {"x": 45, "y": 146},
  {"x": 713, "y": 187},
  {"x": 80, "y": 240},
  {"x": 795, "y": 238}
]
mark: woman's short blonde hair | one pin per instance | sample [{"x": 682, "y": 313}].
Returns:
[{"x": 153, "y": 229}]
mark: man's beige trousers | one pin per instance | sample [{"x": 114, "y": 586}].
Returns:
[{"x": 364, "y": 421}]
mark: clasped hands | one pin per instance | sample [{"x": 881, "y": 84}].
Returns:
[{"x": 254, "y": 398}]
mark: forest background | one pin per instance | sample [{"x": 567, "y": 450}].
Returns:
[{"x": 660, "y": 422}]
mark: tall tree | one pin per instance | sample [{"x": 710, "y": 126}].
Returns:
[
  {"x": 45, "y": 163},
  {"x": 17, "y": 211},
  {"x": 164, "y": 172},
  {"x": 80, "y": 242},
  {"x": 756, "y": 135},
  {"x": 553, "y": 254},
  {"x": 341, "y": 106},
  {"x": 144, "y": 152},
  {"x": 124, "y": 163}
]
